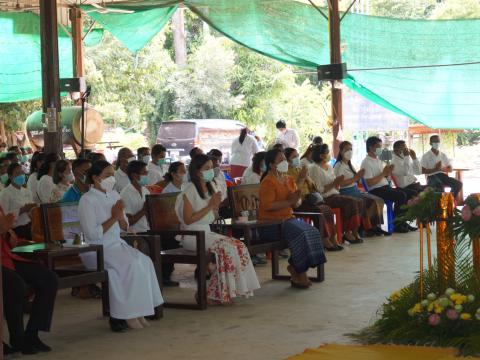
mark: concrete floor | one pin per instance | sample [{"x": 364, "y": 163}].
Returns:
[{"x": 277, "y": 322}]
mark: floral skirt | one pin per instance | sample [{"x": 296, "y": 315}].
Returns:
[{"x": 373, "y": 204}]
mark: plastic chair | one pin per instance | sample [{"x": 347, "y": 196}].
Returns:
[
  {"x": 389, "y": 204},
  {"x": 338, "y": 224}
]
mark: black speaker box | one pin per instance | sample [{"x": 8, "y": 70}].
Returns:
[{"x": 332, "y": 71}]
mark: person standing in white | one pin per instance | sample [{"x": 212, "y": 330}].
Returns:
[
  {"x": 406, "y": 166},
  {"x": 158, "y": 167},
  {"x": 243, "y": 149},
  {"x": 133, "y": 285},
  {"x": 45, "y": 185},
  {"x": 435, "y": 165},
  {"x": 287, "y": 137},
  {"x": 125, "y": 155}
]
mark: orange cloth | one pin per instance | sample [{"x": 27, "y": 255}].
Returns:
[
  {"x": 375, "y": 352},
  {"x": 271, "y": 190}
]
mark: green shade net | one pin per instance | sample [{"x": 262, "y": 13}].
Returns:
[{"x": 134, "y": 30}]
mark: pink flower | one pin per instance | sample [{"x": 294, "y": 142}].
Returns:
[
  {"x": 416, "y": 200},
  {"x": 410, "y": 202},
  {"x": 476, "y": 211},
  {"x": 452, "y": 314},
  {"x": 466, "y": 213},
  {"x": 434, "y": 319}
]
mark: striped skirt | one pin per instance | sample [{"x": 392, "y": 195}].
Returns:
[
  {"x": 373, "y": 204},
  {"x": 304, "y": 242}
]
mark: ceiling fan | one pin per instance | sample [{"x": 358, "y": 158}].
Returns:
[{"x": 102, "y": 9}]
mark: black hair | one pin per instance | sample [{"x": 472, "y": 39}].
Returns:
[
  {"x": 141, "y": 151},
  {"x": 50, "y": 159},
  {"x": 13, "y": 148},
  {"x": 318, "y": 151},
  {"x": 278, "y": 147},
  {"x": 135, "y": 167},
  {"x": 96, "y": 169},
  {"x": 36, "y": 158},
  {"x": 11, "y": 168},
  {"x": 342, "y": 146},
  {"x": 288, "y": 152},
  {"x": 121, "y": 155},
  {"x": 60, "y": 167},
  {"x": 371, "y": 141},
  {"x": 158, "y": 149},
  {"x": 173, "y": 168},
  {"x": 12, "y": 156},
  {"x": 2, "y": 160},
  {"x": 215, "y": 153},
  {"x": 243, "y": 135},
  {"x": 195, "y": 165},
  {"x": 281, "y": 124},
  {"x": 194, "y": 151},
  {"x": 94, "y": 157},
  {"x": 434, "y": 136},
  {"x": 270, "y": 157},
  {"x": 317, "y": 140},
  {"x": 79, "y": 162},
  {"x": 398, "y": 143},
  {"x": 257, "y": 161}
]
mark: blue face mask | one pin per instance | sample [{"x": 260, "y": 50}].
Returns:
[
  {"x": 263, "y": 168},
  {"x": 378, "y": 152},
  {"x": 143, "y": 180},
  {"x": 208, "y": 175},
  {"x": 4, "y": 178},
  {"x": 19, "y": 180},
  {"x": 296, "y": 162}
]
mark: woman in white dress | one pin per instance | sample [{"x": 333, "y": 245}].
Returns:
[
  {"x": 32, "y": 183},
  {"x": 133, "y": 286},
  {"x": 176, "y": 177},
  {"x": 233, "y": 274},
  {"x": 62, "y": 178},
  {"x": 45, "y": 184},
  {"x": 254, "y": 173},
  {"x": 243, "y": 148}
]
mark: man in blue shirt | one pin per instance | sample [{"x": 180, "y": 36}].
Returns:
[{"x": 80, "y": 169}]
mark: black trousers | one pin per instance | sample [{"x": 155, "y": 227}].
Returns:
[
  {"x": 15, "y": 285},
  {"x": 398, "y": 196},
  {"x": 414, "y": 189},
  {"x": 24, "y": 231},
  {"x": 437, "y": 181}
]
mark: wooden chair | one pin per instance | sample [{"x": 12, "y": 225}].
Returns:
[
  {"x": 247, "y": 198},
  {"x": 164, "y": 222}
]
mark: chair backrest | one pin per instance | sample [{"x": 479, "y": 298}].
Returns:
[
  {"x": 243, "y": 198},
  {"x": 364, "y": 184},
  {"x": 60, "y": 221},
  {"x": 161, "y": 211}
]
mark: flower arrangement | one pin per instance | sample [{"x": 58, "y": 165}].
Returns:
[
  {"x": 423, "y": 208},
  {"x": 467, "y": 222}
]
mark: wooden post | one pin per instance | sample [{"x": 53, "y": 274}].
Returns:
[
  {"x": 335, "y": 58},
  {"x": 179, "y": 38},
  {"x": 76, "y": 19},
  {"x": 50, "y": 76}
]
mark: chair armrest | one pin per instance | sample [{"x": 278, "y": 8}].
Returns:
[
  {"x": 255, "y": 225},
  {"x": 306, "y": 214}
]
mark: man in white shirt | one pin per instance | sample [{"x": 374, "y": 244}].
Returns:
[
  {"x": 406, "y": 166},
  {"x": 376, "y": 174},
  {"x": 219, "y": 179},
  {"x": 125, "y": 155},
  {"x": 158, "y": 166},
  {"x": 287, "y": 137},
  {"x": 143, "y": 154},
  {"x": 435, "y": 165}
]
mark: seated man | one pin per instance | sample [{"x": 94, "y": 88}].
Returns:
[
  {"x": 376, "y": 174},
  {"x": 406, "y": 166},
  {"x": 435, "y": 165},
  {"x": 158, "y": 166}
]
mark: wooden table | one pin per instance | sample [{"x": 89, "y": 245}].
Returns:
[{"x": 72, "y": 276}]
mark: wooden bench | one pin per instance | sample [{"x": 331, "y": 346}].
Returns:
[
  {"x": 163, "y": 222},
  {"x": 247, "y": 198}
]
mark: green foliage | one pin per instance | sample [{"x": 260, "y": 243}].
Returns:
[
  {"x": 404, "y": 9},
  {"x": 424, "y": 208},
  {"x": 15, "y": 114},
  {"x": 467, "y": 222},
  {"x": 457, "y": 9},
  {"x": 468, "y": 138}
]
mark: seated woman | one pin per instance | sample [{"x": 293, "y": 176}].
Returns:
[
  {"x": 310, "y": 202},
  {"x": 62, "y": 178},
  {"x": 321, "y": 172},
  {"x": 373, "y": 204},
  {"x": 254, "y": 172},
  {"x": 45, "y": 184},
  {"x": 176, "y": 177},
  {"x": 18, "y": 275},
  {"x": 16, "y": 199},
  {"x": 37, "y": 160},
  {"x": 278, "y": 197},
  {"x": 233, "y": 274},
  {"x": 133, "y": 286},
  {"x": 306, "y": 158}
]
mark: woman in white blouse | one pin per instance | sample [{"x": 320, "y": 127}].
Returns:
[
  {"x": 243, "y": 148},
  {"x": 373, "y": 205},
  {"x": 37, "y": 160},
  {"x": 16, "y": 199},
  {"x": 321, "y": 172},
  {"x": 45, "y": 184},
  {"x": 133, "y": 285},
  {"x": 233, "y": 274},
  {"x": 254, "y": 173},
  {"x": 62, "y": 178},
  {"x": 176, "y": 177}
]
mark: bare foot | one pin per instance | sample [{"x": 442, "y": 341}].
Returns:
[{"x": 134, "y": 324}]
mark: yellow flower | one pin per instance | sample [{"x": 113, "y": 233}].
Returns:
[
  {"x": 417, "y": 308},
  {"x": 465, "y": 316},
  {"x": 430, "y": 307},
  {"x": 394, "y": 296},
  {"x": 438, "y": 309}
]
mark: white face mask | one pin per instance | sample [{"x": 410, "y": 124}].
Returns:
[
  {"x": 146, "y": 159},
  {"x": 347, "y": 155},
  {"x": 436, "y": 146},
  {"x": 216, "y": 171},
  {"x": 378, "y": 152},
  {"x": 184, "y": 178},
  {"x": 69, "y": 177},
  {"x": 282, "y": 167},
  {"x": 108, "y": 183},
  {"x": 130, "y": 159}
]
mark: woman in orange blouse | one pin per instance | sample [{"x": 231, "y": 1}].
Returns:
[{"x": 278, "y": 196}]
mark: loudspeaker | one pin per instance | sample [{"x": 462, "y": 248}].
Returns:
[
  {"x": 73, "y": 85},
  {"x": 332, "y": 71}
]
